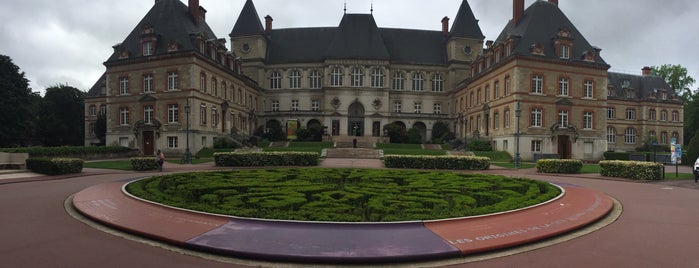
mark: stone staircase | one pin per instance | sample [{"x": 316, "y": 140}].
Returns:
[
  {"x": 358, "y": 153},
  {"x": 348, "y": 141}
]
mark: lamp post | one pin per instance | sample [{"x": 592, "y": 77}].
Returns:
[
  {"x": 518, "y": 113},
  {"x": 187, "y": 153}
]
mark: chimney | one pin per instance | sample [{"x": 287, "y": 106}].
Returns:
[
  {"x": 555, "y": 2},
  {"x": 202, "y": 14},
  {"x": 517, "y": 11},
  {"x": 645, "y": 71},
  {"x": 194, "y": 10},
  {"x": 268, "y": 24},
  {"x": 445, "y": 26}
]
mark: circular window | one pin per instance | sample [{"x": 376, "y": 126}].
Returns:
[
  {"x": 468, "y": 50},
  {"x": 245, "y": 48}
]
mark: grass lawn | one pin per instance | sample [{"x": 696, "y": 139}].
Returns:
[
  {"x": 349, "y": 195},
  {"x": 591, "y": 168},
  {"x": 115, "y": 164},
  {"x": 523, "y": 165},
  {"x": 407, "y": 149}
]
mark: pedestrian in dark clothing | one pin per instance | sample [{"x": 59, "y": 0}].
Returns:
[{"x": 160, "y": 159}]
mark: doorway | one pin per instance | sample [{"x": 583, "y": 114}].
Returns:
[
  {"x": 148, "y": 143},
  {"x": 564, "y": 147}
]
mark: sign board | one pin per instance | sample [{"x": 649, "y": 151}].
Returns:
[{"x": 291, "y": 127}]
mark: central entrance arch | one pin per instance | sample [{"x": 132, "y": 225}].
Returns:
[{"x": 355, "y": 122}]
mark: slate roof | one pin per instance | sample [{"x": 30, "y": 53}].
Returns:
[
  {"x": 466, "y": 24},
  {"x": 644, "y": 86},
  {"x": 248, "y": 22},
  {"x": 172, "y": 22},
  {"x": 540, "y": 24},
  {"x": 356, "y": 37},
  {"x": 99, "y": 89}
]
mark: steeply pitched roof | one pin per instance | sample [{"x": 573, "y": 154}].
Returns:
[
  {"x": 99, "y": 89},
  {"x": 248, "y": 22},
  {"x": 466, "y": 24},
  {"x": 171, "y": 22},
  {"x": 357, "y": 37},
  {"x": 540, "y": 24},
  {"x": 644, "y": 86}
]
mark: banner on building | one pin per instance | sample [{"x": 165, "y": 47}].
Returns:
[{"x": 291, "y": 127}]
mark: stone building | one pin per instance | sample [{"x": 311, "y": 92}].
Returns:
[{"x": 357, "y": 77}]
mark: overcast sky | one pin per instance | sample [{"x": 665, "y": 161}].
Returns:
[{"x": 66, "y": 42}]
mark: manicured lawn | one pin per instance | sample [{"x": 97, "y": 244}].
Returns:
[
  {"x": 407, "y": 149},
  {"x": 591, "y": 168},
  {"x": 524, "y": 165},
  {"x": 116, "y": 164},
  {"x": 349, "y": 195},
  {"x": 313, "y": 147},
  {"x": 495, "y": 156}
]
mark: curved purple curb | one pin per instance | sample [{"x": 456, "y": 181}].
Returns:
[{"x": 318, "y": 242}]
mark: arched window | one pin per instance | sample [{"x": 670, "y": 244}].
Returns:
[
  {"x": 275, "y": 80},
  {"x": 418, "y": 81},
  {"x": 315, "y": 80},
  {"x": 294, "y": 79},
  {"x": 630, "y": 136},
  {"x": 398, "y": 81},
  {"x": 336, "y": 77},
  {"x": 611, "y": 135},
  {"x": 357, "y": 77},
  {"x": 377, "y": 78},
  {"x": 437, "y": 83}
]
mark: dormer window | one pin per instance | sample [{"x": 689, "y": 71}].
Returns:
[
  {"x": 147, "y": 48},
  {"x": 625, "y": 84},
  {"x": 565, "y": 52},
  {"x": 537, "y": 49},
  {"x": 148, "y": 39}
]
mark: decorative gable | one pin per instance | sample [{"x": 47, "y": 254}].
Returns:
[{"x": 537, "y": 49}]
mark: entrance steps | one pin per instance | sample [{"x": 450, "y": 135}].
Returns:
[
  {"x": 348, "y": 141},
  {"x": 357, "y": 153}
]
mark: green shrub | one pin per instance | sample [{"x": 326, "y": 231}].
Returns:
[
  {"x": 566, "y": 166},
  {"x": 259, "y": 159},
  {"x": 479, "y": 145},
  {"x": 144, "y": 163},
  {"x": 616, "y": 156},
  {"x": 66, "y": 151},
  {"x": 495, "y": 156},
  {"x": 437, "y": 162},
  {"x": 55, "y": 166},
  {"x": 634, "y": 170}
]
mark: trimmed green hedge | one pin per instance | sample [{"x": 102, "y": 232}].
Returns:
[
  {"x": 566, "y": 166},
  {"x": 634, "y": 170},
  {"x": 55, "y": 166},
  {"x": 143, "y": 163},
  {"x": 75, "y": 151},
  {"x": 261, "y": 159},
  {"x": 437, "y": 162}
]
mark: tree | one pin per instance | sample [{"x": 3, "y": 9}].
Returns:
[
  {"x": 440, "y": 131},
  {"x": 16, "y": 102},
  {"x": 691, "y": 116},
  {"x": 396, "y": 133},
  {"x": 692, "y": 149},
  {"x": 676, "y": 76},
  {"x": 62, "y": 117},
  {"x": 101, "y": 127}
]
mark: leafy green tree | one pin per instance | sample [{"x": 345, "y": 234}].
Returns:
[
  {"x": 16, "y": 105},
  {"x": 676, "y": 76},
  {"x": 692, "y": 149},
  {"x": 62, "y": 117},
  {"x": 691, "y": 117},
  {"x": 440, "y": 130},
  {"x": 396, "y": 133},
  {"x": 414, "y": 136},
  {"x": 101, "y": 127}
]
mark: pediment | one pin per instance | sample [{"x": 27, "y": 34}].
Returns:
[{"x": 148, "y": 98}]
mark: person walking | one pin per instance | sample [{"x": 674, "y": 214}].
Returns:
[{"x": 160, "y": 159}]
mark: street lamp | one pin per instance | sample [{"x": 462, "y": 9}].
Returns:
[
  {"x": 518, "y": 114},
  {"x": 187, "y": 153}
]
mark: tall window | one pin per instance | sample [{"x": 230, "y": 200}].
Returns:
[
  {"x": 123, "y": 85},
  {"x": 563, "y": 118},
  {"x": 536, "y": 146},
  {"x": 398, "y": 81},
  {"x": 537, "y": 84},
  {"x": 172, "y": 81},
  {"x": 202, "y": 115},
  {"x": 315, "y": 79},
  {"x": 148, "y": 83},
  {"x": 275, "y": 80},
  {"x": 437, "y": 108},
  {"x": 651, "y": 135},
  {"x": 537, "y": 117},
  {"x": 147, "y": 48},
  {"x": 418, "y": 81},
  {"x": 357, "y": 77},
  {"x": 377, "y": 78},
  {"x": 275, "y": 106},
  {"x": 675, "y": 116},
  {"x": 563, "y": 86},
  {"x": 565, "y": 52},
  {"x": 487, "y": 93},
  {"x": 496, "y": 89},
  {"x": 173, "y": 113},
  {"x": 172, "y": 142},
  {"x": 124, "y": 116},
  {"x": 148, "y": 115},
  {"x": 507, "y": 85},
  {"x": 437, "y": 83},
  {"x": 611, "y": 135},
  {"x": 224, "y": 90},
  {"x": 214, "y": 116},
  {"x": 663, "y": 137},
  {"x": 93, "y": 110},
  {"x": 295, "y": 79},
  {"x": 294, "y": 105},
  {"x": 506, "y": 122},
  {"x": 588, "y": 89},
  {"x": 663, "y": 115},
  {"x": 496, "y": 120},
  {"x": 630, "y": 114},
  {"x": 202, "y": 82},
  {"x": 397, "y": 106},
  {"x": 315, "y": 105},
  {"x": 630, "y": 136},
  {"x": 418, "y": 107},
  {"x": 587, "y": 120},
  {"x": 651, "y": 115},
  {"x": 336, "y": 77},
  {"x": 214, "y": 87},
  {"x": 611, "y": 113}
]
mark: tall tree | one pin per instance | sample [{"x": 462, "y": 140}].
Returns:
[
  {"x": 101, "y": 127},
  {"x": 16, "y": 111},
  {"x": 62, "y": 117},
  {"x": 677, "y": 77}
]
